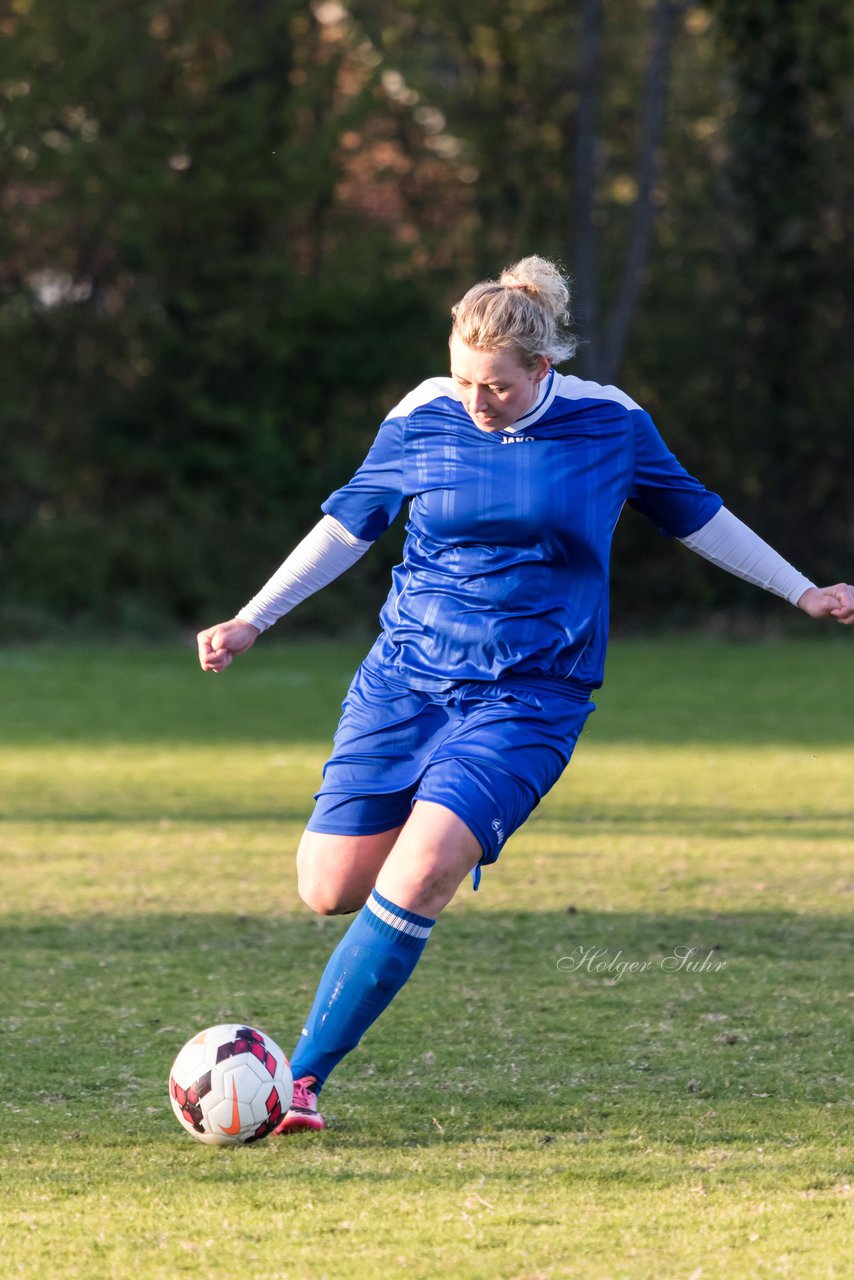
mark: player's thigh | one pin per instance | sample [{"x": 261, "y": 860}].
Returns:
[
  {"x": 433, "y": 854},
  {"x": 335, "y": 873}
]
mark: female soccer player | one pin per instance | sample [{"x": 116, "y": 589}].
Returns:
[{"x": 467, "y": 708}]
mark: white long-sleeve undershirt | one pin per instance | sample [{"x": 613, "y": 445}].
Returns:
[
  {"x": 329, "y": 549},
  {"x": 323, "y": 555},
  {"x": 731, "y": 545}
]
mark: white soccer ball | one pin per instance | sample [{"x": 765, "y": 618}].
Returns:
[{"x": 230, "y": 1085}]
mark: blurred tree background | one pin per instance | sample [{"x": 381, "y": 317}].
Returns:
[{"x": 230, "y": 234}]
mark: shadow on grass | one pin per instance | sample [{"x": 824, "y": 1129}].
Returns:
[
  {"x": 711, "y": 1027},
  {"x": 169, "y": 814},
  {"x": 666, "y": 692},
  {"x": 720, "y": 822}
]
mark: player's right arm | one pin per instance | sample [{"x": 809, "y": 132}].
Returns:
[
  {"x": 323, "y": 555},
  {"x": 354, "y": 518},
  {"x": 220, "y": 644}
]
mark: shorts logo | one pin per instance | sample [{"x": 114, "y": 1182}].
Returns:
[{"x": 498, "y": 829}]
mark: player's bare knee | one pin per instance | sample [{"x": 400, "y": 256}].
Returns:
[
  {"x": 323, "y": 894},
  {"x": 319, "y": 897},
  {"x": 425, "y": 889}
]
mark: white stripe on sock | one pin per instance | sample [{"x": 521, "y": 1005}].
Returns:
[{"x": 400, "y": 923}]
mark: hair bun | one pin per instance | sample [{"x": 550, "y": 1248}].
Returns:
[
  {"x": 526, "y": 310},
  {"x": 543, "y": 280}
]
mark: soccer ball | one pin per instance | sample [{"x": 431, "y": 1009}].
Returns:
[{"x": 230, "y": 1085}]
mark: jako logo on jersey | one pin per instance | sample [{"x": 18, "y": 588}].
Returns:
[
  {"x": 516, "y": 439},
  {"x": 498, "y": 829}
]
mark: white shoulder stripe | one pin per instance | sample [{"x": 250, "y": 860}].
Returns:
[
  {"x": 432, "y": 389},
  {"x": 571, "y": 388},
  {"x": 564, "y": 386}
]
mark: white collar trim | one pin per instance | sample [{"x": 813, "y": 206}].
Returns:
[{"x": 545, "y": 396}]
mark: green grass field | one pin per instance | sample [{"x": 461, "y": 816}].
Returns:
[{"x": 557, "y": 1093}]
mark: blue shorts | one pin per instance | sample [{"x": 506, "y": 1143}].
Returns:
[{"x": 488, "y": 752}]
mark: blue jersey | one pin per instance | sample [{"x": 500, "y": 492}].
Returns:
[{"x": 505, "y": 567}]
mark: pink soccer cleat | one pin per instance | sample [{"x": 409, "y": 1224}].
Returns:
[{"x": 303, "y": 1112}]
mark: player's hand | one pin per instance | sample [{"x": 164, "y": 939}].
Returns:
[
  {"x": 220, "y": 644},
  {"x": 830, "y": 602}
]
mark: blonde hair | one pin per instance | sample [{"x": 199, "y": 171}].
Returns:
[{"x": 526, "y": 309}]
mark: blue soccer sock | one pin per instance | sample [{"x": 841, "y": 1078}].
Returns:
[{"x": 366, "y": 970}]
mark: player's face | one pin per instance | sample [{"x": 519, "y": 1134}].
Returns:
[{"x": 495, "y": 387}]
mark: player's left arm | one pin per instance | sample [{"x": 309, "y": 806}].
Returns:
[
  {"x": 830, "y": 602},
  {"x": 683, "y": 508},
  {"x": 727, "y": 542}
]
